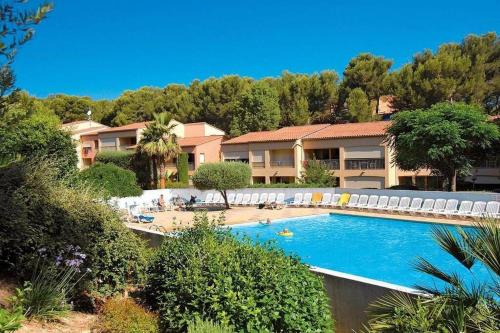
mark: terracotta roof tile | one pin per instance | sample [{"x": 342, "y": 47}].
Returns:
[
  {"x": 129, "y": 127},
  {"x": 351, "y": 130},
  {"x": 291, "y": 133},
  {"x": 196, "y": 140}
]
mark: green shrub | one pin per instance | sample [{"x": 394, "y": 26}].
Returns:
[
  {"x": 170, "y": 184},
  {"x": 317, "y": 172},
  {"x": 114, "y": 181},
  {"x": 41, "y": 217},
  {"x": 208, "y": 273},
  {"x": 207, "y": 326},
  {"x": 182, "y": 168},
  {"x": 123, "y": 159},
  {"x": 123, "y": 315},
  {"x": 10, "y": 321},
  {"x": 291, "y": 185}
]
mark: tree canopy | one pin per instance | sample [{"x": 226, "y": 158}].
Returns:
[{"x": 448, "y": 138}]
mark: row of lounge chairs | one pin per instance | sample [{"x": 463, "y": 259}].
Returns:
[
  {"x": 437, "y": 207},
  {"x": 247, "y": 199}
]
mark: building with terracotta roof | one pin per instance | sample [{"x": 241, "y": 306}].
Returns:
[{"x": 200, "y": 141}]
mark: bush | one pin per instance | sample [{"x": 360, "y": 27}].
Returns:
[
  {"x": 123, "y": 315},
  {"x": 182, "y": 168},
  {"x": 10, "y": 321},
  {"x": 41, "y": 217},
  {"x": 317, "y": 172},
  {"x": 113, "y": 180},
  {"x": 123, "y": 159},
  {"x": 207, "y": 326},
  {"x": 208, "y": 273},
  {"x": 170, "y": 184}
]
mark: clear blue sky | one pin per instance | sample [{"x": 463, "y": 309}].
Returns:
[{"x": 100, "y": 48}]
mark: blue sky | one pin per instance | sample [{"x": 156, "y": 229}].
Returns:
[{"x": 100, "y": 48}]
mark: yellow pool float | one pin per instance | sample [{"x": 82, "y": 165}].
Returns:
[{"x": 285, "y": 233}]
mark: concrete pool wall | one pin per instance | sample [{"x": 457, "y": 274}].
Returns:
[{"x": 349, "y": 295}]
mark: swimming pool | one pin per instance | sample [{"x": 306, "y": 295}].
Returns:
[{"x": 375, "y": 248}]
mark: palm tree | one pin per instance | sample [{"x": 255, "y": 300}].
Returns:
[
  {"x": 159, "y": 143},
  {"x": 458, "y": 306}
]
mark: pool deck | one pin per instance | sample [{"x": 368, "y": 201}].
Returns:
[{"x": 171, "y": 220}]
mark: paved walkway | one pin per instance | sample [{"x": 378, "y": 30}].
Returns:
[{"x": 236, "y": 215}]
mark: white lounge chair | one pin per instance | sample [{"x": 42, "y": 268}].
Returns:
[
  {"x": 280, "y": 199},
  {"x": 449, "y": 208},
  {"x": 263, "y": 198},
  {"x": 297, "y": 200},
  {"x": 254, "y": 200},
  {"x": 246, "y": 199},
  {"x": 306, "y": 202},
  {"x": 438, "y": 206},
  {"x": 231, "y": 197},
  {"x": 238, "y": 199},
  {"x": 362, "y": 202},
  {"x": 415, "y": 206},
  {"x": 326, "y": 200},
  {"x": 404, "y": 204},
  {"x": 335, "y": 200},
  {"x": 209, "y": 199},
  {"x": 372, "y": 202},
  {"x": 382, "y": 202},
  {"x": 353, "y": 200},
  {"x": 477, "y": 209},
  {"x": 271, "y": 198},
  {"x": 427, "y": 206},
  {"x": 464, "y": 209},
  {"x": 393, "y": 203},
  {"x": 492, "y": 209},
  {"x": 216, "y": 199}
]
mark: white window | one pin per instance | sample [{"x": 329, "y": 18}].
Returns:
[{"x": 202, "y": 158}]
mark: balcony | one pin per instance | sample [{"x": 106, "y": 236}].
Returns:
[
  {"x": 285, "y": 163},
  {"x": 365, "y": 164},
  {"x": 258, "y": 164},
  {"x": 489, "y": 164},
  {"x": 191, "y": 166},
  {"x": 88, "y": 152},
  {"x": 333, "y": 164}
]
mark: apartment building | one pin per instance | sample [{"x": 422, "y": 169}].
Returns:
[
  {"x": 200, "y": 141},
  {"x": 356, "y": 153}
]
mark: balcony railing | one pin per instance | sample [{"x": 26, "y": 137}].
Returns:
[
  {"x": 489, "y": 164},
  {"x": 365, "y": 164},
  {"x": 258, "y": 164},
  {"x": 332, "y": 164},
  {"x": 190, "y": 165},
  {"x": 88, "y": 152},
  {"x": 282, "y": 163}
]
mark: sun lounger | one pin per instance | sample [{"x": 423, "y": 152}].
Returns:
[
  {"x": 449, "y": 208},
  {"x": 280, "y": 200},
  {"x": 254, "y": 200},
  {"x": 238, "y": 199},
  {"x": 464, "y": 209},
  {"x": 246, "y": 199},
  {"x": 231, "y": 197},
  {"x": 353, "y": 201},
  {"x": 217, "y": 198},
  {"x": 477, "y": 209},
  {"x": 492, "y": 209},
  {"x": 327, "y": 198},
  {"x": 335, "y": 202},
  {"x": 271, "y": 198},
  {"x": 209, "y": 199},
  {"x": 427, "y": 206},
  {"x": 316, "y": 198},
  {"x": 263, "y": 198},
  {"x": 297, "y": 200},
  {"x": 438, "y": 206},
  {"x": 306, "y": 202},
  {"x": 372, "y": 202},
  {"x": 404, "y": 204},
  {"x": 415, "y": 206},
  {"x": 393, "y": 203},
  {"x": 363, "y": 201},
  {"x": 382, "y": 202},
  {"x": 141, "y": 218}
]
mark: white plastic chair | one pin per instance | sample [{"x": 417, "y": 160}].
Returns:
[
  {"x": 415, "y": 206},
  {"x": 238, "y": 199},
  {"x": 327, "y": 198},
  {"x": 306, "y": 202},
  {"x": 492, "y": 209},
  {"x": 353, "y": 200},
  {"x": 439, "y": 206},
  {"x": 280, "y": 199},
  {"x": 217, "y": 198},
  {"x": 363, "y": 201},
  {"x": 209, "y": 199},
  {"x": 297, "y": 199},
  {"x": 335, "y": 200},
  {"x": 404, "y": 204},
  {"x": 231, "y": 198},
  {"x": 254, "y": 200},
  {"x": 464, "y": 209},
  {"x": 246, "y": 199},
  {"x": 372, "y": 202},
  {"x": 382, "y": 202},
  {"x": 393, "y": 203},
  {"x": 477, "y": 209},
  {"x": 271, "y": 198},
  {"x": 263, "y": 198},
  {"x": 449, "y": 208},
  {"x": 427, "y": 206}
]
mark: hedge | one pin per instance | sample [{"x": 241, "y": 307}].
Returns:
[
  {"x": 123, "y": 159},
  {"x": 182, "y": 168}
]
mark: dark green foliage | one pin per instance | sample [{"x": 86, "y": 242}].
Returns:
[
  {"x": 359, "y": 106},
  {"x": 182, "y": 168},
  {"x": 35, "y": 139},
  {"x": 112, "y": 180},
  {"x": 123, "y": 159},
  {"x": 207, "y": 273},
  {"x": 318, "y": 173},
  {"x": 448, "y": 139},
  {"x": 222, "y": 176},
  {"x": 42, "y": 217}
]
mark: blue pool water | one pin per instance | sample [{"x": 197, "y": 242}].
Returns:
[{"x": 376, "y": 248}]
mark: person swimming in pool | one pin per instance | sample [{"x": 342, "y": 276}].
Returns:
[{"x": 267, "y": 222}]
